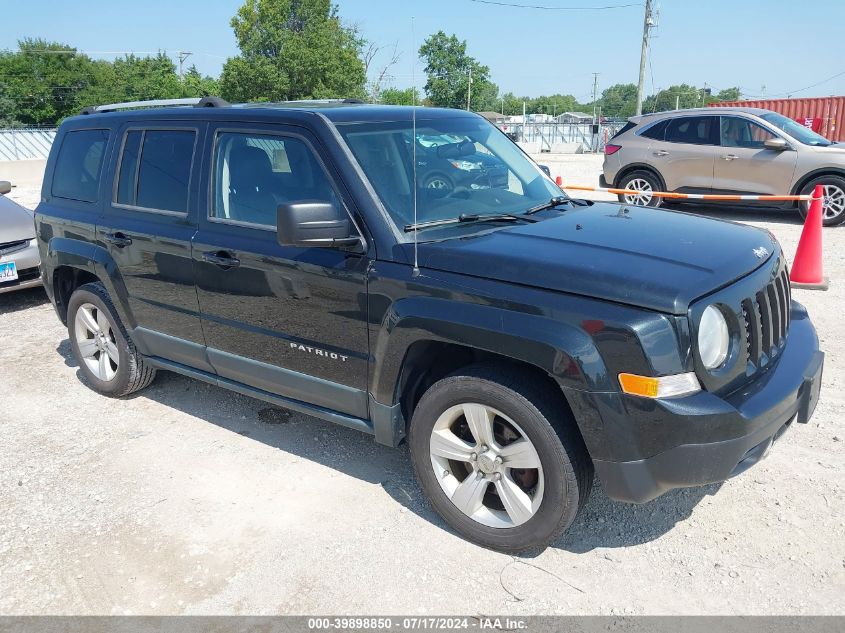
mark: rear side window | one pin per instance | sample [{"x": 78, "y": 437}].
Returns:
[
  {"x": 656, "y": 131},
  {"x": 155, "y": 170},
  {"x": 79, "y": 163},
  {"x": 624, "y": 129},
  {"x": 695, "y": 130}
]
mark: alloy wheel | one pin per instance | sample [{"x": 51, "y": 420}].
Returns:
[
  {"x": 96, "y": 341},
  {"x": 639, "y": 199},
  {"x": 834, "y": 202},
  {"x": 486, "y": 465}
]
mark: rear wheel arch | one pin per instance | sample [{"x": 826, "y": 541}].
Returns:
[
  {"x": 66, "y": 279},
  {"x": 806, "y": 178},
  {"x": 629, "y": 169}
]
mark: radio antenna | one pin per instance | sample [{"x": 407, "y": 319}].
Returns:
[{"x": 416, "y": 270}]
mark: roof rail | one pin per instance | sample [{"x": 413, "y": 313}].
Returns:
[{"x": 196, "y": 102}]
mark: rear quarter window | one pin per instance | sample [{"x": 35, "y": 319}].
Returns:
[
  {"x": 656, "y": 131},
  {"x": 79, "y": 165}
]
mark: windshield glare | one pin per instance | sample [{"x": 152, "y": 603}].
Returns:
[
  {"x": 797, "y": 131},
  {"x": 463, "y": 166}
]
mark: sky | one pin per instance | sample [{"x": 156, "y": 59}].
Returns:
[{"x": 773, "y": 48}]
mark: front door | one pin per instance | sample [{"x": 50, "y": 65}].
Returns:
[
  {"x": 745, "y": 165},
  {"x": 287, "y": 320},
  {"x": 147, "y": 228},
  {"x": 685, "y": 154}
]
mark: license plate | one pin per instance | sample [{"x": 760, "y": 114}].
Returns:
[{"x": 8, "y": 272}]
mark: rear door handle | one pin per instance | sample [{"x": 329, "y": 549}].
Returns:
[
  {"x": 661, "y": 152},
  {"x": 224, "y": 259},
  {"x": 118, "y": 239},
  {"x": 729, "y": 157}
]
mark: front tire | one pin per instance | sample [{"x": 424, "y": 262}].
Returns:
[
  {"x": 644, "y": 181},
  {"x": 106, "y": 355},
  {"x": 833, "y": 212},
  {"x": 503, "y": 465}
]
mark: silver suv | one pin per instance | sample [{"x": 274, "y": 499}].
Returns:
[{"x": 725, "y": 151}]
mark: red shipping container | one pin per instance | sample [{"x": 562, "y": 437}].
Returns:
[{"x": 824, "y": 113}]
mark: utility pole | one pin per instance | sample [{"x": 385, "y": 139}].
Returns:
[
  {"x": 183, "y": 55},
  {"x": 469, "y": 88},
  {"x": 593, "y": 129},
  {"x": 678, "y": 101},
  {"x": 503, "y": 105},
  {"x": 648, "y": 23}
]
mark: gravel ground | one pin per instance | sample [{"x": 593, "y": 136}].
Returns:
[{"x": 187, "y": 498}]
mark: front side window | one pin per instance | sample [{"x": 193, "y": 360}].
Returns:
[
  {"x": 463, "y": 166},
  {"x": 255, "y": 173},
  {"x": 78, "y": 165},
  {"x": 797, "y": 131},
  {"x": 739, "y": 132},
  {"x": 155, "y": 170},
  {"x": 693, "y": 130}
]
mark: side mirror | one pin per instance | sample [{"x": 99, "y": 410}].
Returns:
[
  {"x": 311, "y": 223},
  {"x": 5, "y": 187},
  {"x": 777, "y": 144},
  {"x": 546, "y": 170}
]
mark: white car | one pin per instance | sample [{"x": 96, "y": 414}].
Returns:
[{"x": 19, "y": 259}]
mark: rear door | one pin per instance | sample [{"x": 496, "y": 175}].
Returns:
[
  {"x": 686, "y": 152},
  {"x": 147, "y": 228},
  {"x": 287, "y": 320},
  {"x": 745, "y": 165}
]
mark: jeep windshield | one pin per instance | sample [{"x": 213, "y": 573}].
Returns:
[
  {"x": 800, "y": 133},
  {"x": 465, "y": 167}
]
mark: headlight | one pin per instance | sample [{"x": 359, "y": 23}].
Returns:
[
  {"x": 713, "y": 338},
  {"x": 465, "y": 165}
]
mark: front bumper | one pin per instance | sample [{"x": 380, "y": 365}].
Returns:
[
  {"x": 714, "y": 438},
  {"x": 27, "y": 261}
]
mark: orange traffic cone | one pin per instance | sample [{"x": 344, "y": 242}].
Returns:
[{"x": 807, "y": 265}]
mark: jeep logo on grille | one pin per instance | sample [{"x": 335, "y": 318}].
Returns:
[{"x": 761, "y": 252}]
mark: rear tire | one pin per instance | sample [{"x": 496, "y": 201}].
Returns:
[
  {"x": 106, "y": 355},
  {"x": 529, "y": 426},
  {"x": 642, "y": 180},
  {"x": 833, "y": 212}
]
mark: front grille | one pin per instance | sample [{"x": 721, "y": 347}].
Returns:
[
  {"x": 12, "y": 247},
  {"x": 766, "y": 316}
]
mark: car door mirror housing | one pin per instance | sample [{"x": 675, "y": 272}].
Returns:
[
  {"x": 5, "y": 187},
  {"x": 312, "y": 223},
  {"x": 777, "y": 144},
  {"x": 545, "y": 169}
]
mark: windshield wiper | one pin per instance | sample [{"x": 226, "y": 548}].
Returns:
[
  {"x": 465, "y": 217},
  {"x": 551, "y": 204}
]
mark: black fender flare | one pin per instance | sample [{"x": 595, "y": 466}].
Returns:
[{"x": 566, "y": 353}]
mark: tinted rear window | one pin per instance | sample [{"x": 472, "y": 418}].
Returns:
[
  {"x": 155, "y": 169},
  {"x": 78, "y": 165},
  {"x": 624, "y": 129},
  {"x": 696, "y": 130},
  {"x": 656, "y": 131}
]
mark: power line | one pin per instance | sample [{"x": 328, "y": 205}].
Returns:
[
  {"x": 545, "y": 8},
  {"x": 792, "y": 92}
]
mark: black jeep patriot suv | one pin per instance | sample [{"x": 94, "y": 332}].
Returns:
[{"x": 521, "y": 340}]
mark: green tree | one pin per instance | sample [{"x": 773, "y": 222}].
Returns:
[
  {"x": 42, "y": 80},
  {"x": 131, "y": 78},
  {"x": 684, "y": 95},
  {"x": 292, "y": 49},
  {"x": 728, "y": 94},
  {"x": 400, "y": 96},
  {"x": 448, "y": 68},
  {"x": 193, "y": 84},
  {"x": 619, "y": 100}
]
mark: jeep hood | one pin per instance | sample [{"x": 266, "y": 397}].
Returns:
[{"x": 651, "y": 258}]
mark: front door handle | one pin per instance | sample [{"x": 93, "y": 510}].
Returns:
[
  {"x": 117, "y": 239},
  {"x": 224, "y": 259},
  {"x": 729, "y": 157},
  {"x": 661, "y": 152}
]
